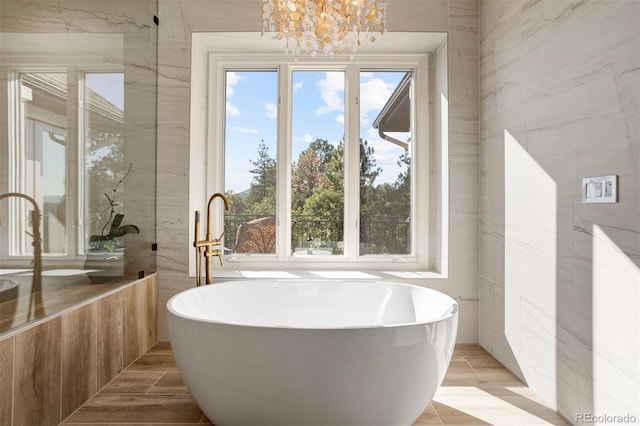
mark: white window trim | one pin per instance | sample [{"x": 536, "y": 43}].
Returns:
[
  {"x": 16, "y": 239},
  {"x": 214, "y": 173}
]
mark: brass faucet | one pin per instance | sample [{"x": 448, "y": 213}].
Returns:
[
  {"x": 35, "y": 302},
  {"x": 206, "y": 247}
]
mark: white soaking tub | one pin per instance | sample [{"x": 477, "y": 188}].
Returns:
[{"x": 312, "y": 352}]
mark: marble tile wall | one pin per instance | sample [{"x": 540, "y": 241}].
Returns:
[
  {"x": 51, "y": 368},
  {"x": 180, "y": 18},
  {"x": 559, "y": 293}
]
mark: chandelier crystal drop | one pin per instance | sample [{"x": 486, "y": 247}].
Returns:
[{"x": 330, "y": 27}]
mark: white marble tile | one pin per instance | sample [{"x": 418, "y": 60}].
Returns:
[
  {"x": 44, "y": 16},
  {"x": 538, "y": 364},
  {"x": 174, "y": 67},
  {"x": 174, "y": 31},
  {"x": 201, "y": 15},
  {"x": 552, "y": 142},
  {"x": 512, "y": 119},
  {"x": 463, "y": 23},
  {"x": 614, "y": 389},
  {"x": 604, "y": 133},
  {"x": 560, "y": 168},
  {"x": 402, "y": 14},
  {"x": 560, "y": 92},
  {"x": 463, "y": 81},
  {"x": 467, "y": 321},
  {"x": 486, "y": 244},
  {"x": 485, "y": 310},
  {"x": 492, "y": 160},
  {"x": 616, "y": 320},
  {"x": 174, "y": 101}
]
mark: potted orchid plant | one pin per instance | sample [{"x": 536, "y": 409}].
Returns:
[{"x": 109, "y": 241}]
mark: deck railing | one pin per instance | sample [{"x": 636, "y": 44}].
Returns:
[{"x": 378, "y": 234}]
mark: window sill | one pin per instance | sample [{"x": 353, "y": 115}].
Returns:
[{"x": 284, "y": 274}]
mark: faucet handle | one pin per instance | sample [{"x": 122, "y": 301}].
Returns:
[{"x": 217, "y": 253}]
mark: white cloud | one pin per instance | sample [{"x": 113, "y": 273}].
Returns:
[
  {"x": 232, "y": 80},
  {"x": 297, "y": 86},
  {"x": 306, "y": 138},
  {"x": 382, "y": 147},
  {"x": 237, "y": 176},
  {"x": 374, "y": 94},
  {"x": 386, "y": 156},
  {"x": 232, "y": 110},
  {"x": 244, "y": 130},
  {"x": 331, "y": 92},
  {"x": 270, "y": 110},
  {"x": 340, "y": 118}
]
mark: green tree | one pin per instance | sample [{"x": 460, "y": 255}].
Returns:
[
  {"x": 318, "y": 198},
  {"x": 325, "y": 207},
  {"x": 323, "y": 149},
  {"x": 386, "y": 214},
  {"x": 307, "y": 177},
  {"x": 335, "y": 168},
  {"x": 368, "y": 174},
  {"x": 264, "y": 177}
]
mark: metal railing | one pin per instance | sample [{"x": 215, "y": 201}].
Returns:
[{"x": 378, "y": 234}]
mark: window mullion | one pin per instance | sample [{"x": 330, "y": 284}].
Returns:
[
  {"x": 16, "y": 156},
  {"x": 351, "y": 161},
  {"x": 73, "y": 153},
  {"x": 283, "y": 182},
  {"x": 82, "y": 206}
]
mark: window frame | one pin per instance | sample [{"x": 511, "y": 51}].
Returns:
[
  {"x": 14, "y": 240},
  {"x": 285, "y": 66},
  {"x": 17, "y": 179}
]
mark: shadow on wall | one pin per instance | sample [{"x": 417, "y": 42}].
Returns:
[{"x": 570, "y": 295}]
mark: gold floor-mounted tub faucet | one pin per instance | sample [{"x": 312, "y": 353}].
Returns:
[{"x": 208, "y": 247}]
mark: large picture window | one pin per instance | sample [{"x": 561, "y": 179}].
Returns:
[{"x": 320, "y": 159}]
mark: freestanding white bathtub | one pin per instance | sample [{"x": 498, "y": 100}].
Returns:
[{"x": 312, "y": 352}]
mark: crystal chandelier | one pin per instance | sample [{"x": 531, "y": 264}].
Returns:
[{"x": 324, "y": 26}]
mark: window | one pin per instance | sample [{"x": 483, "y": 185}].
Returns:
[
  {"x": 323, "y": 162},
  {"x": 51, "y": 112}
]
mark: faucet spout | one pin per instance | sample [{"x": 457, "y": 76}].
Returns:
[
  {"x": 35, "y": 220},
  {"x": 226, "y": 207},
  {"x": 36, "y": 281}
]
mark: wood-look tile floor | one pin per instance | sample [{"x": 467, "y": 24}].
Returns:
[{"x": 477, "y": 390}]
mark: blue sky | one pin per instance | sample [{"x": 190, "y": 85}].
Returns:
[
  {"x": 108, "y": 85},
  {"x": 318, "y": 112}
]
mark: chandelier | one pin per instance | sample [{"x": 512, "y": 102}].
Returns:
[{"x": 324, "y": 26}]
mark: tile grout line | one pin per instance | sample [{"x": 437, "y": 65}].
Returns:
[
  {"x": 155, "y": 383},
  {"x": 436, "y": 411},
  {"x": 62, "y": 421},
  {"x": 477, "y": 373}
]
